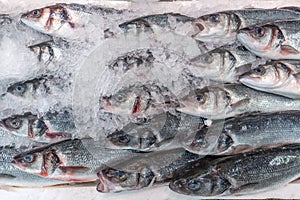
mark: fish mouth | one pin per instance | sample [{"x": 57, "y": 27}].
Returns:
[
  {"x": 104, "y": 186},
  {"x": 105, "y": 105},
  {"x": 178, "y": 186}
]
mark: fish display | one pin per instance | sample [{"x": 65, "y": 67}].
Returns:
[
  {"x": 229, "y": 100},
  {"x": 277, "y": 77},
  {"x": 247, "y": 133},
  {"x": 242, "y": 174}
]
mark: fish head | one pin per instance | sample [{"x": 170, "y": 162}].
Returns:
[
  {"x": 214, "y": 63},
  {"x": 200, "y": 185},
  {"x": 215, "y": 26},
  {"x": 29, "y": 162},
  {"x": 137, "y": 141},
  {"x": 114, "y": 180},
  {"x": 206, "y": 102},
  {"x": 269, "y": 75},
  {"x": 128, "y": 101},
  {"x": 261, "y": 39},
  {"x": 48, "y": 19}
]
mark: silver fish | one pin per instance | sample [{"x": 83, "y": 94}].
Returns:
[
  {"x": 277, "y": 77},
  {"x": 145, "y": 170},
  {"x": 247, "y": 133},
  {"x": 242, "y": 174},
  {"x": 220, "y": 102},
  {"x": 69, "y": 160},
  {"x": 223, "y": 26},
  {"x": 275, "y": 40},
  {"x": 224, "y": 64}
]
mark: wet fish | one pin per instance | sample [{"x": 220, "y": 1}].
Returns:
[
  {"x": 277, "y": 77},
  {"x": 220, "y": 102},
  {"x": 247, "y": 133},
  {"x": 224, "y": 63},
  {"x": 275, "y": 40},
  {"x": 242, "y": 174},
  {"x": 70, "y": 21},
  {"x": 52, "y": 127},
  {"x": 145, "y": 170},
  {"x": 69, "y": 160},
  {"x": 223, "y": 26},
  {"x": 137, "y": 100},
  {"x": 12, "y": 176}
]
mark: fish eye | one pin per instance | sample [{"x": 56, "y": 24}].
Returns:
[
  {"x": 121, "y": 175},
  {"x": 259, "y": 70},
  {"x": 36, "y": 13},
  {"x": 200, "y": 97},
  {"x": 18, "y": 89},
  {"x": 14, "y": 123},
  {"x": 124, "y": 139},
  {"x": 214, "y": 18},
  {"x": 208, "y": 59},
  {"x": 259, "y": 31},
  {"x": 120, "y": 97},
  {"x": 193, "y": 185},
  {"x": 28, "y": 158}
]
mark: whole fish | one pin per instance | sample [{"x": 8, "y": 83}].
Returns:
[
  {"x": 12, "y": 176},
  {"x": 69, "y": 160},
  {"x": 145, "y": 170},
  {"x": 242, "y": 174},
  {"x": 70, "y": 21},
  {"x": 137, "y": 100},
  {"x": 52, "y": 127},
  {"x": 220, "y": 102},
  {"x": 223, "y": 26},
  {"x": 277, "y": 77},
  {"x": 224, "y": 63},
  {"x": 274, "y": 40},
  {"x": 247, "y": 133}
]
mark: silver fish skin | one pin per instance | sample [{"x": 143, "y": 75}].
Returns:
[
  {"x": 228, "y": 100},
  {"x": 247, "y": 133},
  {"x": 12, "y": 176},
  {"x": 243, "y": 173},
  {"x": 223, "y": 26},
  {"x": 145, "y": 170},
  {"x": 276, "y": 40},
  {"x": 277, "y": 77},
  {"x": 224, "y": 64},
  {"x": 70, "y": 160}
]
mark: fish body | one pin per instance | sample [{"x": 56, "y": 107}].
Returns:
[
  {"x": 69, "y": 160},
  {"x": 275, "y": 40},
  {"x": 243, "y": 173},
  {"x": 12, "y": 176},
  {"x": 224, "y": 63},
  {"x": 223, "y": 26},
  {"x": 247, "y": 133},
  {"x": 277, "y": 77},
  {"x": 52, "y": 127},
  {"x": 145, "y": 170},
  {"x": 220, "y": 102}
]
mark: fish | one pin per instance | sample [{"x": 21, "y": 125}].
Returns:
[
  {"x": 72, "y": 160},
  {"x": 224, "y": 64},
  {"x": 51, "y": 127},
  {"x": 147, "y": 170},
  {"x": 242, "y": 174},
  {"x": 247, "y": 133},
  {"x": 69, "y": 21},
  {"x": 229, "y": 100},
  {"x": 222, "y": 27},
  {"x": 139, "y": 100},
  {"x": 275, "y": 40},
  {"x": 277, "y": 77},
  {"x": 12, "y": 176}
]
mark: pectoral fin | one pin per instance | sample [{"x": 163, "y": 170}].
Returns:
[
  {"x": 240, "y": 105},
  {"x": 73, "y": 169},
  {"x": 286, "y": 50}
]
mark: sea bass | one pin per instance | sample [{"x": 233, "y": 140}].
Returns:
[
  {"x": 145, "y": 170},
  {"x": 277, "y": 77},
  {"x": 242, "y": 174},
  {"x": 69, "y": 160},
  {"x": 224, "y": 64},
  {"x": 51, "y": 127},
  {"x": 275, "y": 40},
  {"x": 223, "y": 26},
  {"x": 247, "y": 133},
  {"x": 220, "y": 102}
]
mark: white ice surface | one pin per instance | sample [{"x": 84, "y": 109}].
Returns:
[{"x": 192, "y": 8}]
